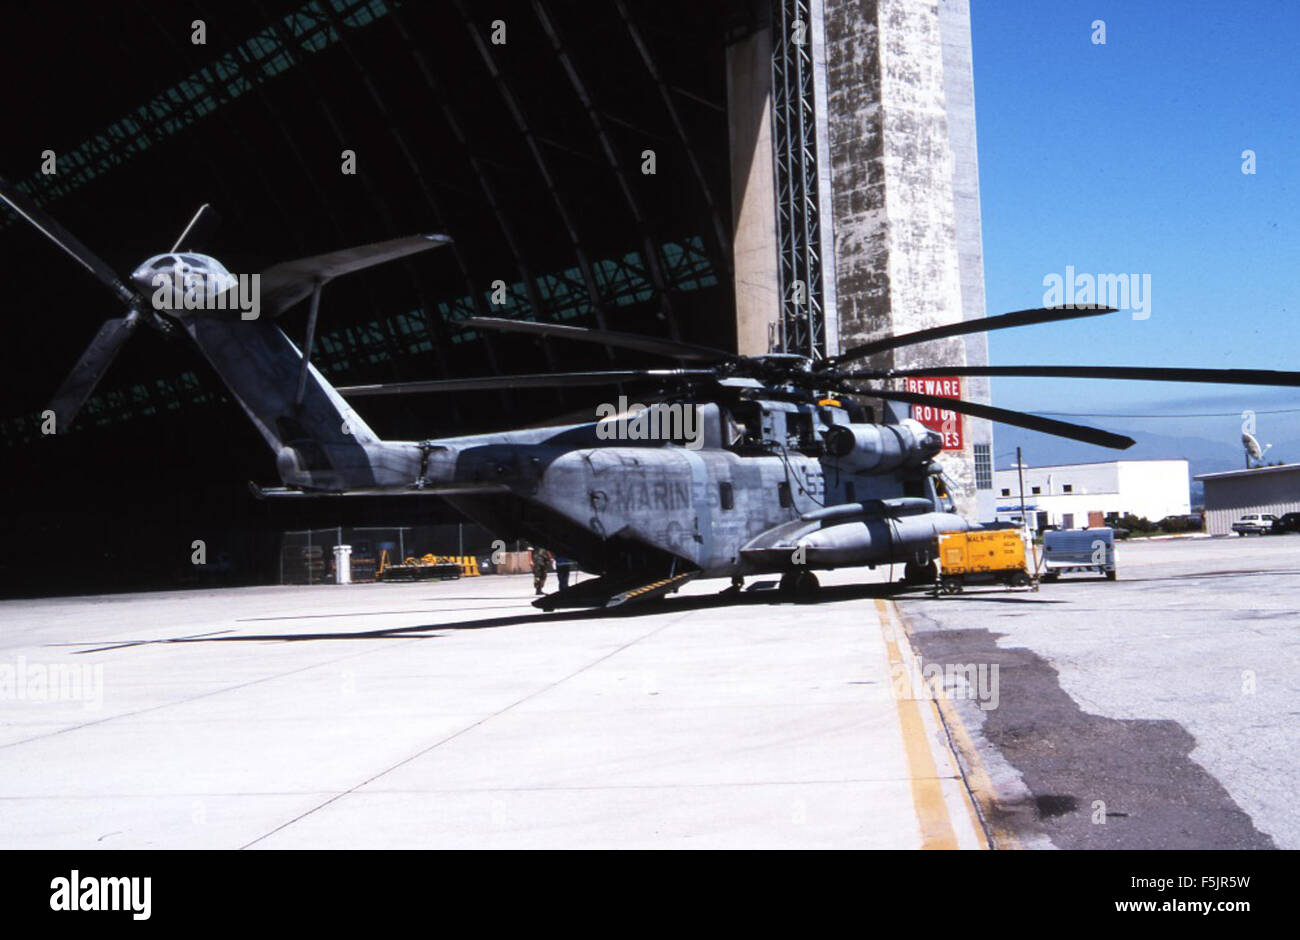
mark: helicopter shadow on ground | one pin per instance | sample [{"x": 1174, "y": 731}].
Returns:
[{"x": 759, "y": 594}]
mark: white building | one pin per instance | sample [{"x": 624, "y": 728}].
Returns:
[
  {"x": 1230, "y": 495},
  {"x": 1078, "y": 495}
]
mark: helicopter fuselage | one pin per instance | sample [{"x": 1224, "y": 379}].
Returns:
[
  {"x": 767, "y": 486},
  {"x": 761, "y": 479}
]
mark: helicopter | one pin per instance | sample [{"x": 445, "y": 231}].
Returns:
[{"x": 754, "y": 465}]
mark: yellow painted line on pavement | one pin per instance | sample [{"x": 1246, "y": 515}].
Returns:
[
  {"x": 978, "y": 783},
  {"x": 927, "y": 789}
]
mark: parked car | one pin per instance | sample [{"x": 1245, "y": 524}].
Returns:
[
  {"x": 1287, "y": 522},
  {"x": 1254, "y": 523}
]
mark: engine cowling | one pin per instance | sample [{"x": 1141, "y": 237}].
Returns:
[{"x": 881, "y": 448}]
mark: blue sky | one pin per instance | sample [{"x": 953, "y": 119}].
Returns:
[{"x": 1126, "y": 158}]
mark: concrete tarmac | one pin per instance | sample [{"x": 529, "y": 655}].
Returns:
[
  {"x": 453, "y": 714},
  {"x": 1157, "y": 711}
]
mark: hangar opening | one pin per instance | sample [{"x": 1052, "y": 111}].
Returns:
[{"x": 580, "y": 155}]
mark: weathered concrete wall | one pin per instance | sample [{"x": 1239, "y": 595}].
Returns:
[
  {"x": 959, "y": 90},
  {"x": 899, "y": 234},
  {"x": 753, "y": 190}
]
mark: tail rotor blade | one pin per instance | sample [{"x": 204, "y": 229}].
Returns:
[
  {"x": 64, "y": 239},
  {"x": 90, "y": 368}
]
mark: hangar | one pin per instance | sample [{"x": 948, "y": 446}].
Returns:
[
  {"x": 1231, "y": 494},
  {"x": 743, "y": 174}
]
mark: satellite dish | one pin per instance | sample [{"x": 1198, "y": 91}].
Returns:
[{"x": 1253, "y": 450}]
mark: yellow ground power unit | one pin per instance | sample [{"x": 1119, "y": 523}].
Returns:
[{"x": 982, "y": 557}]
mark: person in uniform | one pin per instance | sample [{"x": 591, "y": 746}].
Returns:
[{"x": 541, "y": 564}]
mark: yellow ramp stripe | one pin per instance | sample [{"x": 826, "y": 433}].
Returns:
[
  {"x": 978, "y": 783},
  {"x": 927, "y": 788}
]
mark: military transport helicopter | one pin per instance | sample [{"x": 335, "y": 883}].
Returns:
[{"x": 754, "y": 464}]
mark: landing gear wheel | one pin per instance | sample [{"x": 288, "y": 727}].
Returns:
[
  {"x": 800, "y": 585},
  {"x": 806, "y": 586}
]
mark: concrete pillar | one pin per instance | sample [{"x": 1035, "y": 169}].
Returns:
[
  {"x": 753, "y": 191},
  {"x": 901, "y": 204},
  {"x": 959, "y": 90}
]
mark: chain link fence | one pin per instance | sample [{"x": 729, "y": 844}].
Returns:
[{"x": 307, "y": 555}]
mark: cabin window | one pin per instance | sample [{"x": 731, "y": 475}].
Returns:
[
  {"x": 1006, "y": 491},
  {"x": 787, "y": 499},
  {"x": 726, "y": 496},
  {"x": 1036, "y": 490},
  {"x": 1069, "y": 487}
]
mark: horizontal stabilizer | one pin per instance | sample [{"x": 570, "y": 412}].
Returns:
[{"x": 284, "y": 284}]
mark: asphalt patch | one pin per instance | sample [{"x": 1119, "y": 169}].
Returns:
[{"x": 1135, "y": 774}]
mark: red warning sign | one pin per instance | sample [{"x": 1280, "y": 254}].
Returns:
[{"x": 948, "y": 423}]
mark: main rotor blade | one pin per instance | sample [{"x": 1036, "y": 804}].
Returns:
[
  {"x": 90, "y": 368},
  {"x": 1019, "y": 419},
  {"x": 588, "y": 414},
  {"x": 64, "y": 239},
  {"x": 983, "y": 324},
  {"x": 1137, "y": 373},
  {"x": 542, "y": 380},
  {"x": 650, "y": 344}
]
